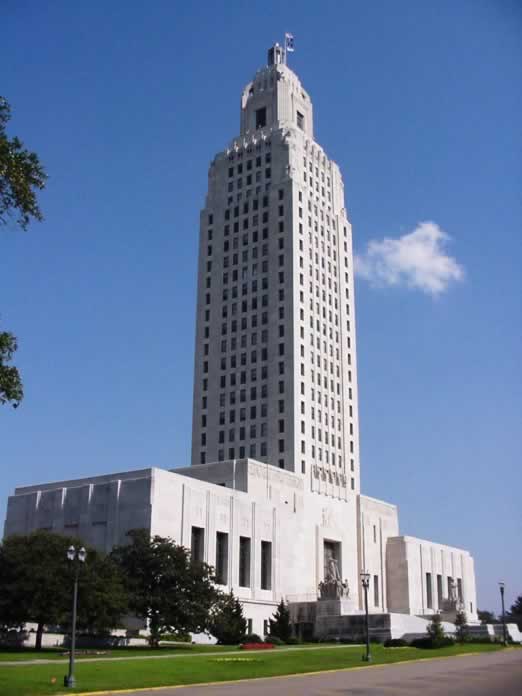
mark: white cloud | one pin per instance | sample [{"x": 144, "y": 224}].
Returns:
[{"x": 415, "y": 260}]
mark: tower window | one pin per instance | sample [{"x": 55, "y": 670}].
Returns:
[
  {"x": 300, "y": 120},
  {"x": 261, "y": 117}
]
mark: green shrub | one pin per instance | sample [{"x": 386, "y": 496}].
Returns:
[
  {"x": 293, "y": 641},
  {"x": 227, "y": 621},
  {"x": 395, "y": 643},
  {"x": 252, "y": 638},
  {"x": 431, "y": 643},
  {"x": 178, "y": 637},
  {"x": 274, "y": 640},
  {"x": 280, "y": 625}
]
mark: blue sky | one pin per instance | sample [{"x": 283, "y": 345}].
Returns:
[{"x": 419, "y": 103}]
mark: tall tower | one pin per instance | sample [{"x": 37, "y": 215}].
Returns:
[{"x": 275, "y": 366}]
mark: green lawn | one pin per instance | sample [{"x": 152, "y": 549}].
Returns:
[
  {"x": 25, "y": 654},
  {"x": 36, "y": 680}
]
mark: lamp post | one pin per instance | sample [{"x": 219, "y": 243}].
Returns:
[
  {"x": 78, "y": 558},
  {"x": 501, "y": 585},
  {"x": 365, "y": 579}
]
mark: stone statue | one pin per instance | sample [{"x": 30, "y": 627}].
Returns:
[
  {"x": 332, "y": 587},
  {"x": 332, "y": 568}
]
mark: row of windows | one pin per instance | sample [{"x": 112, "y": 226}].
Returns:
[
  {"x": 242, "y": 415},
  {"x": 249, "y": 164},
  {"x": 252, "y": 451},
  {"x": 197, "y": 549},
  {"x": 440, "y": 596},
  {"x": 311, "y": 170},
  {"x": 241, "y": 395},
  {"x": 249, "y": 179}
]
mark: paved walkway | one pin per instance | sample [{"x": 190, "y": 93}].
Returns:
[{"x": 470, "y": 675}]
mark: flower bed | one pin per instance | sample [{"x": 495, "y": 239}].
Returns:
[{"x": 257, "y": 646}]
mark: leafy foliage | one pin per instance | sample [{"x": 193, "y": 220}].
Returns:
[
  {"x": 280, "y": 625},
  {"x": 435, "y": 635},
  {"x": 165, "y": 586},
  {"x": 486, "y": 617},
  {"x": 227, "y": 621},
  {"x": 252, "y": 638},
  {"x": 11, "y": 389},
  {"x": 515, "y": 612},
  {"x": 36, "y": 585},
  {"x": 461, "y": 625},
  {"x": 395, "y": 643},
  {"x": 430, "y": 643},
  {"x": 21, "y": 176}
]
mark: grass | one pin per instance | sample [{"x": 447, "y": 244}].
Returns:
[
  {"x": 28, "y": 654},
  {"x": 37, "y": 680}
]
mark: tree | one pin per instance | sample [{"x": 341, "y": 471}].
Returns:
[
  {"x": 461, "y": 626},
  {"x": 21, "y": 176},
  {"x": 36, "y": 585},
  {"x": 168, "y": 589},
  {"x": 227, "y": 621},
  {"x": 486, "y": 617},
  {"x": 435, "y": 630},
  {"x": 515, "y": 612},
  {"x": 11, "y": 388},
  {"x": 280, "y": 625}
]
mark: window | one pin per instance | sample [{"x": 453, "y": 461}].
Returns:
[
  {"x": 439, "y": 590},
  {"x": 376, "y": 590},
  {"x": 374, "y": 534},
  {"x": 300, "y": 120},
  {"x": 249, "y": 625},
  {"x": 244, "y": 561},
  {"x": 197, "y": 545},
  {"x": 221, "y": 558},
  {"x": 266, "y": 565},
  {"x": 261, "y": 118},
  {"x": 429, "y": 598}
]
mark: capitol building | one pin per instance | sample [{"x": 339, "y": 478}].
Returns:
[{"x": 272, "y": 496}]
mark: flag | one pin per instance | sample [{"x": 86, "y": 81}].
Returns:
[{"x": 289, "y": 43}]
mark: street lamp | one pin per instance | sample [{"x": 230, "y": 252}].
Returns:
[
  {"x": 78, "y": 558},
  {"x": 365, "y": 579},
  {"x": 501, "y": 585}
]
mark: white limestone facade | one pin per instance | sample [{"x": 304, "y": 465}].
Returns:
[
  {"x": 261, "y": 528},
  {"x": 272, "y": 498},
  {"x": 275, "y": 365}
]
